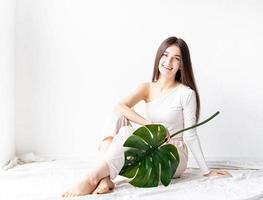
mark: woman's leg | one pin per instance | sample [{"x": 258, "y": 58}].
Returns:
[
  {"x": 105, "y": 184},
  {"x": 91, "y": 183},
  {"x": 183, "y": 155},
  {"x": 92, "y": 180}
]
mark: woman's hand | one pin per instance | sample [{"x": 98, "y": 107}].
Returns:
[
  {"x": 218, "y": 172},
  {"x": 168, "y": 137}
]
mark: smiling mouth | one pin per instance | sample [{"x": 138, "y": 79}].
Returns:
[{"x": 169, "y": 68}]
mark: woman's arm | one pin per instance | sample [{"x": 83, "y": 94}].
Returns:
[
  {"x": 126, "y": 105},
  {"x": 192, "y": 139},
  {"x": 190, "y": 136}
]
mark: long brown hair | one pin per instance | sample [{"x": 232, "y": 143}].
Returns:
[{"x": 185, "y": 74}]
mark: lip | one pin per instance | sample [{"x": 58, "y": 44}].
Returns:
[{"x": 168, "y": 68}]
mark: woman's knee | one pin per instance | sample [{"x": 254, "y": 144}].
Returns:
[
  {"x": 120, "y": 120},
  {"x": 114, "y": 122},
  {"x": 108, "y": 139},
  {"x": 116, "y": 116},
  {"x": 104, "y": 144}
]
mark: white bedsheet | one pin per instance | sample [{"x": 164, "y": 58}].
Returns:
[{"x": 47, "y": 180}]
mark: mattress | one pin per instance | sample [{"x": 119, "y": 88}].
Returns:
[{"x": 48, "y": 180}]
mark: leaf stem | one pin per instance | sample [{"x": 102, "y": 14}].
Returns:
[{"x": 196, "y": 125}]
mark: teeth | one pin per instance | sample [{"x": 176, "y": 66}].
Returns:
[{"x": 168, "y": 68}]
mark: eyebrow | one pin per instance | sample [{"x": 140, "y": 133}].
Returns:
[{"x": 174, "y": 55}]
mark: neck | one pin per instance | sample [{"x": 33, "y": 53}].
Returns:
[{"x": 165, "y": 83}]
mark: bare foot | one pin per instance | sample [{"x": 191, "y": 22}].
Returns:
[
  {"x": 86, "y": 186},
  {"x": 104, "y": 186}
]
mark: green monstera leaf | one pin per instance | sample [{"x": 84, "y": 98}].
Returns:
[{"x": 149, "y": 160}]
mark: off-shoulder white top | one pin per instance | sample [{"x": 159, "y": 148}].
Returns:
[{"x": 177, "y": 110}]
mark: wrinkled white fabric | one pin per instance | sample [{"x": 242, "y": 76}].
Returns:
[
  {"x": 23, "y": 159},
  {"x": 48, "y": 180}
]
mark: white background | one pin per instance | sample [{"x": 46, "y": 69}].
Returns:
[
  {"x": 74, "y": 60},
  {"x": 7, "y": 20}
]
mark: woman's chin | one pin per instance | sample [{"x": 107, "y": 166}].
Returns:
[{"x": 166, "y": 73}]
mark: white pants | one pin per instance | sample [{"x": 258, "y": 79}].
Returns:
[{"x": 121, "y": 130}]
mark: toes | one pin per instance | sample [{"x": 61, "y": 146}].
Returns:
[
  {"x": 73, "y": 195},
  {"x": 69, "y": 194},
  {"x": 65, "y": 194}
]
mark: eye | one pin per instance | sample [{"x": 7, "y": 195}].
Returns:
[
  {"x": 165, "y": 54},
  {"x": 177, "y": 58}
]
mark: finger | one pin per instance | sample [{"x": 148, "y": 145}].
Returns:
[
  {"x": 215, "y": 173},
  {"x": 224, "y": 173},
  {"x": 227, "y": 173},
  {"x": 167, "y": 137}
]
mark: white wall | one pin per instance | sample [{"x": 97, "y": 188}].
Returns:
[
  {"x": 6, "y": 80},
  {"x": 76, "y": 59}
]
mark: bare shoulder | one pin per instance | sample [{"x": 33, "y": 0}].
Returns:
[
  {"x": 145, "y": 85},
  {"x": 144, "y": 89}
]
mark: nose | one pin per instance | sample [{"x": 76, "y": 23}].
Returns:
[{"x": 168, "y": 61}]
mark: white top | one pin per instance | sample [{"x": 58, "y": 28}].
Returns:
[{"x": 176, "y": 110}]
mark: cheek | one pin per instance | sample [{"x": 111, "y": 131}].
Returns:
[
  {"x": 176, "y": 64},
  {"x": 160, "y": 64},
  {"x": 176, "y": 67},
  {"x": 161, "y": 61}
]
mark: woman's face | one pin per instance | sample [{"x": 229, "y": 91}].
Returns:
[{"x": 170, "y": 61}]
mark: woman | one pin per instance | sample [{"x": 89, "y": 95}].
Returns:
[{"x": 171, "y": 99}]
